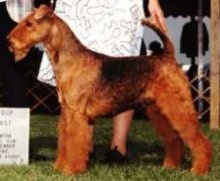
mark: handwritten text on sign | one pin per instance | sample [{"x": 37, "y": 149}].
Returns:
[{"x": 14, "y": 135}]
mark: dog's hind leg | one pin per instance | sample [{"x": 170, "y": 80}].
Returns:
[
  {"x": 191, "y": 133},
  {"x": 174, "y": 147},
  {"x": 183, "y": 118},
  {"x": 77, "y": 142}
]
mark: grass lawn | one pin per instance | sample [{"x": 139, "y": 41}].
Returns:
[{"x": 146, "y": 161}]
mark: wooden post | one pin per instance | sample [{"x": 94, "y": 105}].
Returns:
[{"x": 215, "y": 60}]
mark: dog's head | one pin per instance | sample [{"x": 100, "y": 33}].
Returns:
[{"x": 34, "y": 28}]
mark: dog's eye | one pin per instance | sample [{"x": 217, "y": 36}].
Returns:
[{"x": 28, "y": 23}]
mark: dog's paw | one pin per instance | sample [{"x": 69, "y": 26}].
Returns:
[{"x": 74, "y": 169}]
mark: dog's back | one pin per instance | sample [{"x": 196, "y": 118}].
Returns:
[{"x": 121, "y": 69}]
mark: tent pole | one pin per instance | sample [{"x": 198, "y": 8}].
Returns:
[
  {"x": 215, "y": 59},
  {"x": 200, "y": 55}
]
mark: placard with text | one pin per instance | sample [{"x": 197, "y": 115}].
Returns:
[{"x": 14, "y": 136}]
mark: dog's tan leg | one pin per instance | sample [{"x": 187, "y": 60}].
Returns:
[
  {"x": 77, "y": 143},
  {"x": 202, "y": 149},
  {"x": 199, "y": 145},
  {"x": 61, "y": 153},
  {"x": 173, "y": 143},
  {"x": 183, "y": 118}
]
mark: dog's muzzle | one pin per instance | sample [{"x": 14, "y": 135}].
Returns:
[{"x": 19, "y": 50}]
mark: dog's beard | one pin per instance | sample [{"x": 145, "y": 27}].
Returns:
[{"x": 19, "y": 54}]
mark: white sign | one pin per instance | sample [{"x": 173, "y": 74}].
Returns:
[{"x": 14, "y": 136}]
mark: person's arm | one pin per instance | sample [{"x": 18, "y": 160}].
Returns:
[{"x": 157, "y": 13}]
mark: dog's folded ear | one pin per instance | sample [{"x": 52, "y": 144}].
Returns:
[{"x": 42, "y": 12}]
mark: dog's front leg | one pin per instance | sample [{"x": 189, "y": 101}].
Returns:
[
  {"x": 77, "y": 142},
  {"x": 61, "y": 153}
]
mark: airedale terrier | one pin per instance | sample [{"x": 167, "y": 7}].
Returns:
[{"x": 90, "y": 84}]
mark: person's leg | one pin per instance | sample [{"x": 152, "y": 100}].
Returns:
[
  {"x": 118, "y": 152},
  {"x": 121, "y": 126}
]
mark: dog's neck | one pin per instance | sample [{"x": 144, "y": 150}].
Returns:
[{"x": 58, "y": 37}]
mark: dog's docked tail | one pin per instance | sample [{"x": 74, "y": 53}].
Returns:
[{"x": 168, "y": 45}]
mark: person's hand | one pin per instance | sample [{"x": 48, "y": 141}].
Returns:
[{"x": 156, "y": 14}]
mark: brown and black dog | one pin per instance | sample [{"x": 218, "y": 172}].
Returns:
[{"x": 91, "y": 84}]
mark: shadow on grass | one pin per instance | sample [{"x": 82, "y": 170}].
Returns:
[
  {"x": 42, "y": 148},
  {"x": 139, "y": 152},
  {"x": 151, "y": 153}
]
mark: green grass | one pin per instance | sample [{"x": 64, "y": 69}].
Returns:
[{"x": 146, "y": 161}]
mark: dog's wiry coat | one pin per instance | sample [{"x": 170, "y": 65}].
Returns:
[{"x": 90, "y": 84}]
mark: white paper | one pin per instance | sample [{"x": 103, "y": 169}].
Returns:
[{"x": 14, "y": 136}]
